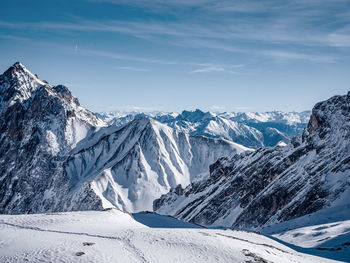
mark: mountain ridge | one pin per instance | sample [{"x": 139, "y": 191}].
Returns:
[
  {"x": 271, "y": 185},
  {"x": 164, "y": 158},
  {"x": 252, "y": 130},
  {"x": 44, "y": 131}
]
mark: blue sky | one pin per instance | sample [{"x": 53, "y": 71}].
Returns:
[{"x": 183, "y": 54}]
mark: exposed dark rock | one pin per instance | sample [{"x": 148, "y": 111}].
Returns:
[
  {"x": 36, "y": 133},
  {"x": 88, "y": 244}
]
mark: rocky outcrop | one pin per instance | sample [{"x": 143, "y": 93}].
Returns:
[{"x": 39, "y": 125}]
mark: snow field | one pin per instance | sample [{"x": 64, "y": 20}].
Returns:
[{"x": 114, "y": 236}]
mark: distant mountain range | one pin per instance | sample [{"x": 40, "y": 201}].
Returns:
[
  {"x": 272, "y": 185},
  {"x": 250, "y": 129}
]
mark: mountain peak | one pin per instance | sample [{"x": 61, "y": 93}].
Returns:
[
  {"x": 196, "y": 111},
  {"x": 17, "y": 84},
  {"x": 196, "y": 115},
  {"x": 17, "y": 68},
  {"x": 18, "y": 65},
  {"x": 18, "y": 72},
  {"x": 148, "y": 123},
  {"x": 329, "y": 119}
]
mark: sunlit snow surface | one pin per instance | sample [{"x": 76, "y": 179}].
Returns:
[
  {"x": 132, "y": 166},
  {"x": 114, "y": 236},
  {"x": 325, "y": 233}
]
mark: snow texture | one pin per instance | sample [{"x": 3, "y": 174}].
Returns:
[
  {"x": 114, "y": 236},
  {"x": 132, "y": 166}
]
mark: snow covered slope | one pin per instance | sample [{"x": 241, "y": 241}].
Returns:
[
  {"x": 272, "y": 185},
  {"x": 272, "y": 117},
  {"x": 130, "y": 167},
  {"x": 249, "y": 129},
  {"x": 114, "y": 236},
  {"x": 325, "y": 233}
]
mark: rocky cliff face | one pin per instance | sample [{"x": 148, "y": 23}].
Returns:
[
  {"x": 270, "y": 185},
  {"x": 39, "y": 125}
]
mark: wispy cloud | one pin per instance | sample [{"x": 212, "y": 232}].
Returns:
[
  {"x": 209, "y": 69},
  {"x": 339, "y": 40},
  {"x": 300, "y": 22},
  {"x": 117, "y": 56},
  {"x": 278, "y": 54},
  {"x": 125, "y": 108},
  {"x": 217, "y": 108},
  {"x": 252, "y": 6},
  {"x": 287, "y": 30},
  {"x": 132, "y": 68},
  {"x": 81, "y": 51},
  {"x": 220, "y": 109},
  {"x": 17, "y": 38},
  {"x": 207, "y": 37},
  {"x": 242, "y": 108},
  {"x": 275, "y": 54},
  {"x": 203, "y": 36},
  {"x": 218, "y": 68},
  {"x": 206, "y": 67}
]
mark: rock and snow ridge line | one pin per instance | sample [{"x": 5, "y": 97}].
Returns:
[
  {"x": 135, "y": 164},
  {"x": 271, "y": 185},
  {"x": 57, "y": 156},
  {"x": 196, "y": 115},
  {"x": 249, "y": 129}
]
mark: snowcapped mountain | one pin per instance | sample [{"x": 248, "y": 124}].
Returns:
[
  {"x": 213, "y": 126},
  {"x": 39, "y": 125},
  {"x": 57, "y": 156},
  {"x": 132, "y": 166},
  {"x": 271, "y": 185},
  {"x": 272, "y": 117},
  {"x": 117, "y": 118},
  {"x": 252, "y": 130}
]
